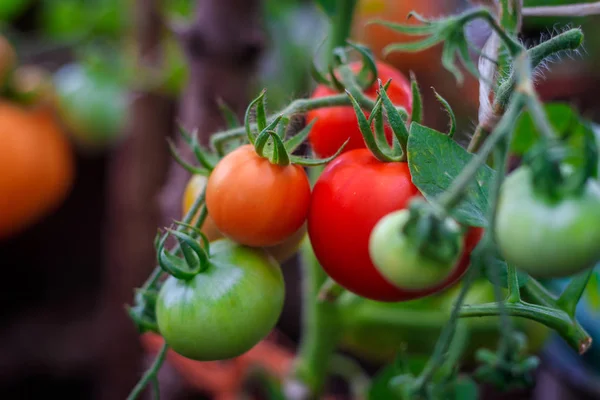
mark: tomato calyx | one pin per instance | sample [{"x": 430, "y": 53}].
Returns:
[
  {"x": 195, "y": 258},
  {"x": 396, "y": 117},
  {"x": 553, "y": 177},
  {"x": 435, "y": 236},
  {"x": 278, "y": 150},
  {"x": 365, "y": 77}
]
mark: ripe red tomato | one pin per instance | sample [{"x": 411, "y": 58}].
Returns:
[
  {"x": 352, "y": 194},
  {"x": 255, "y": 202},
  {"x": 334, "y": 125}
]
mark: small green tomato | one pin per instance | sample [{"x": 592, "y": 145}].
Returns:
[{"x": 397, "y": 258}]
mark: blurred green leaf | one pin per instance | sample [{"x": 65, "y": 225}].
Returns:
[
  {"x": 327, "y": 6},
  {"x": 592, "y": 291},
  {"x": 10, "y": 9}
]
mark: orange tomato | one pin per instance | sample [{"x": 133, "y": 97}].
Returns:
[
  {"x": 281, "y": 252},
  {"x": 255, "y": 202},
  {"x": 36, "y": 166}
]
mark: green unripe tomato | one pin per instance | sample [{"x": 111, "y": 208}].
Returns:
[
  {"x": 396, "y": 257},
  {"x": 543, "y": 238},
  {"x": 91, "y": 104},
  {"x": 225, "y": 310}
]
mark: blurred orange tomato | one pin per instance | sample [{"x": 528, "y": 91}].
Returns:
[
  {"x": 427, "y": 63},
  {"x": 36, "y": 166}
]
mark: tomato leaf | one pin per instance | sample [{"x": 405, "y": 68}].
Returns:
[
  {"x": 435, "y": 160},
  {"x": 592, "y": 291}
]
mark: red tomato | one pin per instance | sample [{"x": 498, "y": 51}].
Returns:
[
  {"x": 334, "y": 125},
  {"x": 255, "y": 202},
  {"x": 352, "y": 194}
]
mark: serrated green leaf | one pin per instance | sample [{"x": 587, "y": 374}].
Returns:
[{"x": 435, "y": 160}]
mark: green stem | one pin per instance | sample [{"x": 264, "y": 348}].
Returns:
[
  {"x": 572, "y": 294},
  {"x": 514, "y": 292},
  {"x": 538, "y": 294},
  {"x": 445, "y": 339},
  {"x": 341, "y": 23},
  {"x": 296, "y": 106},
  {"x": 569, "y": 40},
  {"x": 553, "y": 318},
  {"x": 150, "y": 374},
  {"x": 450, "y": 198},
  {"x": 321, "y": 328},
  {"x": 157, "y": 272}
]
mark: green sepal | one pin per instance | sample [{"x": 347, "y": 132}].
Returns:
[
  {"x": 188, "y": 167},
  {"x": 195, "y": 257},
  {"x": 231, "y": 119},
  {"x": 296, "y": 141},
  {"x": 452, "y": 128},
  {"x": 278, "y": 155},
  {"x": 313, "y": 162},
  {"x": 365, "y": 129},
  {"x": 396, "y": 120},
  {"x": 248, "y": 115},
  {"x": 367, "y": 75},
  {"x": 417, "y": 101}
]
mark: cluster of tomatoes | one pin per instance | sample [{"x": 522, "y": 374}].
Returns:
[{"x": 258, "y": 214}]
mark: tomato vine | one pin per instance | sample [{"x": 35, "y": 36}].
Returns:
[{"x": 324, "y": 307}]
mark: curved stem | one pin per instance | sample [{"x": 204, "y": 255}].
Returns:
[
  {"x": 555, "y": 319},
  {"x": 572, "y": 10},
  {"x": 572, "y": 294},
  {"x": 150, "y": 374},
  {"x": 514, "y": 291},
  {"x": 296, "y": 106}
]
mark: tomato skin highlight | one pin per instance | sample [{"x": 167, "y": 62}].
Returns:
[
  {"x": 225, "y": 310},
  {"x": 352, "y": 194},
  {"x": 254, "y": 202},
  {"x": 396, "y": 257},
  {"x": 547, "y": 240},
  {"x": 334, "y": 125}
]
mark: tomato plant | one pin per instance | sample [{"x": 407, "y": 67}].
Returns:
[
  {"x": 224, "y": 310},
  {"x": 544, "y": 237},
  {"x": 37, "y": 165},
  {"x": 332, "y": 126},
  {"x": 407, "y": 252},
  {"x": 256, "y": 202},
  {"x": 398, "y": 258}
]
